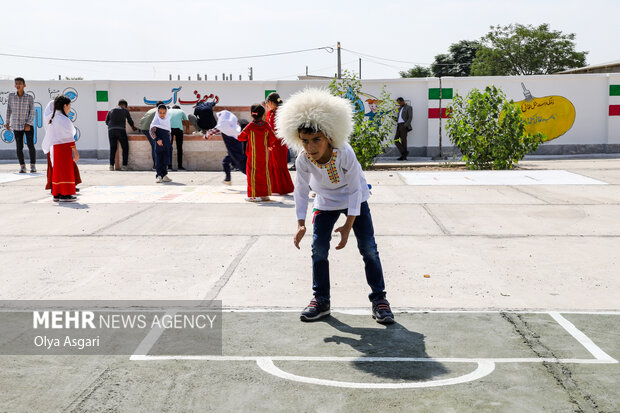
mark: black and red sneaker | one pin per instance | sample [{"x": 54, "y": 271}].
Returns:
[
  {"x": 382, "y": 312},
  {"x": 315, "y": 310}
]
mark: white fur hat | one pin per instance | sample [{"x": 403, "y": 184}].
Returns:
[{"x": 317, "y": 109}]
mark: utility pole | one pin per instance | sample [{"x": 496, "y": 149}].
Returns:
[
  {"x": 360, "y": 68},
  {"x": 339, "y": 63}
]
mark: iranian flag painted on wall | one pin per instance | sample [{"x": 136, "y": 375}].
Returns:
[
  {"x": 433, "y": 102},
  {"x": 614, "y": 90}
]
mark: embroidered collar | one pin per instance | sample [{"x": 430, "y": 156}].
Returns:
[{"x": 332, "y": 171}]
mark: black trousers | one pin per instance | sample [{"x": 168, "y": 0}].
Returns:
[
  {"x": 19, "y": 142},
  {"x": 401, "y": 133},
  {"x": 177, "y": 135},
  {"x": 118, "y": 136}
]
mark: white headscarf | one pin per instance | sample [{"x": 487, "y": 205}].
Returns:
[
  {"x": 60, "y": 131},
  {"x": 227, "y": 123},
  {"x": 161, "y": 123}
]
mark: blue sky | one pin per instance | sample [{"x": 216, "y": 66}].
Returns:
[{"x": 410, "y": 31}]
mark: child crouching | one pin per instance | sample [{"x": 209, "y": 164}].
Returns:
[{"x": 321, "y": 123}]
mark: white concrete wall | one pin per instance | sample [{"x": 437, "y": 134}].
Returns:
[{"x": 593, "y": 127}]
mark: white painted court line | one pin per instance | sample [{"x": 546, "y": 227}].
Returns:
[
  {"x": 166, "y": 194},
  {"x": 483, "y": 369},
  {"x": 485, "y": 366},
  {"x": 509, "y": 178},
  {"x": 4, "y": 177},
  {"x": 582, "y": 338}
]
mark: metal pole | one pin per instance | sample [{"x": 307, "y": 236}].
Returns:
[
  {"x": 360, "y": 67},
  {"x": 440, "y": 92},
  {"x": 339, "y": 63}
]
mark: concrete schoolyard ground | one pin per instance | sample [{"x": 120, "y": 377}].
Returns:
[{"x": 505, "y": 287}]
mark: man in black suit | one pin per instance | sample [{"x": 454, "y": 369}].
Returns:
[{"x": 403, "y": 127}]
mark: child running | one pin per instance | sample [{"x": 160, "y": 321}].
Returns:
[
  {"x": 259, "y": 137},
  {"x": 321, "y": 123},
  {"x": 160, "y": 133}
]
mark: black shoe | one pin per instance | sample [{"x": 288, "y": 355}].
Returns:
[
  {"x": 180, "y": 168},
  {"x": 67, "y": 198},
  {"x": 315, "y": 310},
  {"x": 381, "y": 311},
  {"x": 56, "y": 198}
]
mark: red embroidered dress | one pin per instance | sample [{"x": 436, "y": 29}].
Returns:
[
  {"x": 259, "y": 137},
  {"x": 281, "y": 182}
]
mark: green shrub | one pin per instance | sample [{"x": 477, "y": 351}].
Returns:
[
  {"x": 370, "y": 137},
  {"x": 489, "y": 130}
]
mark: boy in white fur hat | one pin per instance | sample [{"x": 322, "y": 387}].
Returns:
[{"x": 320, "y": 124}]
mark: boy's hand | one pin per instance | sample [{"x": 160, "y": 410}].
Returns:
[
  {"x": 344, "y": 231},
  {"x": 344, "y": 236},
  {"x": 301, "y": 231}
]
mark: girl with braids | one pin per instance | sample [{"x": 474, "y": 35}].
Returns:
[
  {"x": 59, "y": 142},
  {"x": 281, "y": 182},
  {"x": 260, "y": 137}
]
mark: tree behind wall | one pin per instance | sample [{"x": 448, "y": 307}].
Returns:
[
  {"x": 458, "y": 61},
  {"x": 370, "y": 137},
  {"x": 416, "y": 71},
  {"x": 517, "y": 49}
]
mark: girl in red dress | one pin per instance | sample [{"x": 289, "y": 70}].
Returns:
[
  {"x": 59, "y": 142},
  {"x": 260, "y": 137},
  {"x": 281, "y": 182}
]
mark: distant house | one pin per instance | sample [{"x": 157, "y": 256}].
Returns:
[{"x": 609, "y": 67}]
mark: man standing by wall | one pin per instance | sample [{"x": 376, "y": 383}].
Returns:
[
  {"x": 403, "y": 127},
  {"x": 117, "y": 132},
  {"x": 19, "y": 116}
]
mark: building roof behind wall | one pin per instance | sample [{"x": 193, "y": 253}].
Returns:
[{"x": 609, "y": 67}]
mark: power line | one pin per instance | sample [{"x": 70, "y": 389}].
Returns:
[{"x": 328, "y": 49}]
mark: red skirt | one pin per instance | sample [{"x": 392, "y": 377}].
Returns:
[
  {"x": 281, "y": 182},
  {"x": 76, "y": 173},
  {"x": 63, "y": 177}
]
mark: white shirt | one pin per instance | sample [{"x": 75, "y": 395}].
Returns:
[
  {"x": 400, "y": 115},
  {"x": 339, "y": 184}
]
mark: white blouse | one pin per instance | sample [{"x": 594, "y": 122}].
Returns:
[{"x": 339, "y": 183}]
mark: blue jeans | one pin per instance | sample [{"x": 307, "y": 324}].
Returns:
[
  {"x": 324, "y": 222},
  {"x": 162, "y": 152},
  {"x": 153, "y": 144},
  {"x": 235, "y": 155}
]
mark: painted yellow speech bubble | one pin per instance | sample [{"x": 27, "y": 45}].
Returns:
[{"x": 550, "y": 115}]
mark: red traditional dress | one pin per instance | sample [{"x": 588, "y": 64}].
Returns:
[
  {"x": 259, "y": 137},
  {"x": 58, "y": 143},
  {"x": 281, "y": 182},
  {"x": 76, "y": 172}
]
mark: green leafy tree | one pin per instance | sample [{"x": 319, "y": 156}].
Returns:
[
  {"x": 489, "y": 130},
  {"x": 458, "y": 61},
  {"x": 517, "y": 49},
  {"x": 371, "y": 136},
  {"x": 416, "y": 71}
]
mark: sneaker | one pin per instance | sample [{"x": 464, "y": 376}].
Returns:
[
  {"x": 67, "y": 198},
  {"x": 253, "y": 199},
  {"x": 22, "y": 169},
  {"x": 381, "y": 311},
  {"x": 56, "y": 198},
  {"x": 225, "y": 182},
  {"x": 315, "y": 310},
  {"x": 111, "y": 167},
  {"x": 166, "y": 179},
  {"x": 33, "y": 169},
  {"x": 159, "y": 180},
  {"x": 124, "y": 168}
]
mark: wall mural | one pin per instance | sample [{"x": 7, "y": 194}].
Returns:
[
  {"x": 197, "y": 98},
  {"x": 7, "y": 136},
  {"x": 551, "y": 115}
]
